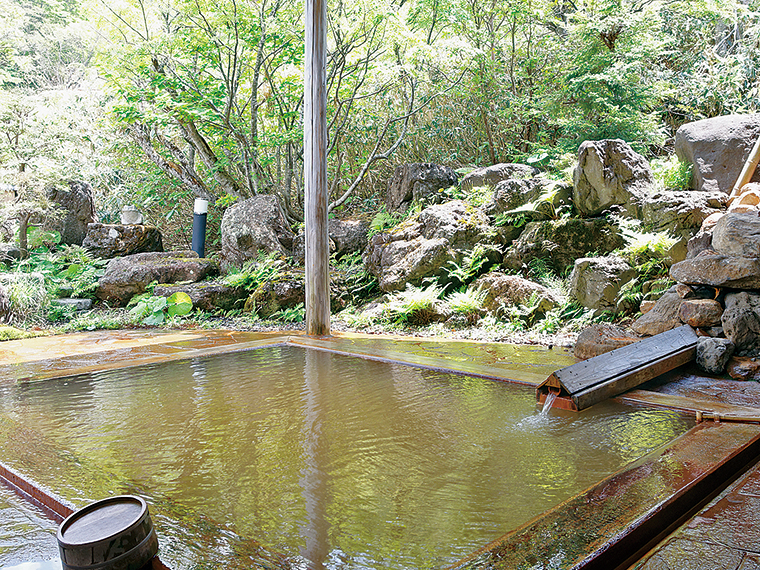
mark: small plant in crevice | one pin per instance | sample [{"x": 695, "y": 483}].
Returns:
[
  {"x": 671, "y": 173},
  {"x": 351, "y": 282},
  {"x": 472, "y": 265}
]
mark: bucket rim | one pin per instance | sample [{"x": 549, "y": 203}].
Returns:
[{"x": 94, "y": 506}]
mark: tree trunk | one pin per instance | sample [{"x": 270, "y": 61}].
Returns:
[
  {"x": 23, "y": 243},
  {"x": 315, "y": 171}
]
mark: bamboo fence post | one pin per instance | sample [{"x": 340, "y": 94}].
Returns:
[{"x": 749, "y": 169}]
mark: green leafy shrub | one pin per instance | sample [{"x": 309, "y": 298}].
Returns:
[
  {"x": 12, "y": 333},
  {"x": 671, "y": 173},
  {"x": 27, "y": 294},
  {"x": 479, "y": 195},
  {"x": 94, "y": 320},
  {"x": 382, "y": 221},
  {"x": 152, "y": 310},
  {"x": 71, "y": 270},
  {"x": 468, "y": 303}
]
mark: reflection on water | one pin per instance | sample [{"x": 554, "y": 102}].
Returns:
[{"x": 337, "y": 462}]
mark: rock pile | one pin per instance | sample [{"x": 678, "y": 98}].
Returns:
[{"x": 717, "y": 295}]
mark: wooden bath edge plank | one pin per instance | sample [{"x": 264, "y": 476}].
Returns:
[
  {"x": 470, "y": 368},
  {"x": 109, "y": 363},
  {"x": 710, "y": 409},
  {"x": 607, "y": 526},
  {"x": 54, "y": 508}
]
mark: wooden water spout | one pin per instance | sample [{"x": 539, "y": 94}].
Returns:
[{"x": 608, "y": 375}]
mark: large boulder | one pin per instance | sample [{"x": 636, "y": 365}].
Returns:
[
  {"x": 609, "y": 173},
  {"x": 664, "y": 316},
  {"x": 596, "y": 281},
  {"x": 561, "y": 242},
  {"x": 254, "y": 225},
  {"x": 284, "y": 292},
  {"x": 115, "y": 240},
  {"x": 346, "y": 237},
  {"x": 206, "y": 295},
  {"x": 738, "y": 235},
  {"x": 741, "y": 322},
  {"x": 78, "y": 209},
  {"x": 709, "y": 268},
  {"x": 717, "y": 148},
  {"x": 504, "y": 291},
  {"x": 128, "y": 276},
  {"x": 492, "y": 175},
  {"x": 349, "y": 236},
  {"x": 415, "y": 182},
  {"x": 680, "y": 213},
  {"x": 426, "y": 244}
]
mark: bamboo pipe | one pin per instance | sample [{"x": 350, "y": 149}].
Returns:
[
  {"x": 749, "y": 169},
  {"x": 706, "y": 416}
]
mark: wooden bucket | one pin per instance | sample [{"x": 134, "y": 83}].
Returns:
[{"x": 113, "y": 534}]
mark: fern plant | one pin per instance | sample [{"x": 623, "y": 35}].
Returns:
[
  {"x": 473, "y": 264},
  {"x": 468, "y": 303},
  {"x": 295, "y": 314},
  {"x": 255, "y": 272},
  {"x": 414, "y": 305}
]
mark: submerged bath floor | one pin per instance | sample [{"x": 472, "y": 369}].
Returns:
[{"x": 291, "y": 457}]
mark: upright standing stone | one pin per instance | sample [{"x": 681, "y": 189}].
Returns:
[{"x": 609, "y": 173}]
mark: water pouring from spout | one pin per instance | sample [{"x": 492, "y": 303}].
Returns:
[{"x": 550, "y": 397}]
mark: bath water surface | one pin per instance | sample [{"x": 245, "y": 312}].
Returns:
[{"x": 286, "y": 457}]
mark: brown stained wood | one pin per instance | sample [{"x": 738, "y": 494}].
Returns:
[
  {"x": 709, "y": 409},
  {"x": 625, "y": 359},
  {"x": 315, "y": 172},
  {"x": 614, "y": 372},
  {"x": 633, "y": 378}
]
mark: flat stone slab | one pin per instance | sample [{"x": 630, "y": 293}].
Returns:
[
  {"x": 76, "y": 304},
  {"x": 718, "y": 271},
  {"x": 607, "y": 524}
]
